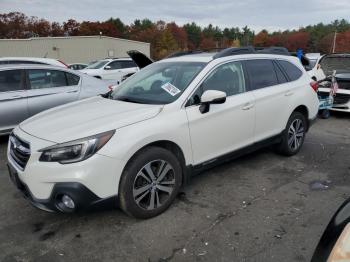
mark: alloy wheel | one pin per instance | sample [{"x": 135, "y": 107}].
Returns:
[
  {"x": 295, "y": 134},
  {"x": 154, "y": 184}
]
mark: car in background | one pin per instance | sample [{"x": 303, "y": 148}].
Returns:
[
  {"x": 31, "y": 60},
  {"x": 111, "y": 69},
  {"x": 26, "y": 90},
  {"x": 77, "y": 66},
  {"x": 315, "y": 71},
  {"x": 341, "y": 64}
]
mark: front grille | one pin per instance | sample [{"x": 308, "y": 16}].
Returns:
[
  {"x": 344, "y": 85},
  {"x": 19, "y": 151},
  {"x": 339, "y": 99}
]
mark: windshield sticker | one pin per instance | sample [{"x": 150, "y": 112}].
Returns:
[{"x": 171, "y": 89}]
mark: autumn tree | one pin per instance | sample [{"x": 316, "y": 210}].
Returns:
[{"x": 71, "y": 27}]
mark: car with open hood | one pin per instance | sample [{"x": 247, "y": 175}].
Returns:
[
  {"x": 137, "y": 145},
  {"x": 341, "y": 64}
]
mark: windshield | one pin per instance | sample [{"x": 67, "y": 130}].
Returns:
[
  {"x": 97, "y": 65},
  {"x": 158, "y": 83}
]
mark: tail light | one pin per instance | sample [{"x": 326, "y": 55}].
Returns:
[
  {"x": 110, "y": 87},
  {"x": 63, "y": 63},
  {"x": 314, "y": 85}
]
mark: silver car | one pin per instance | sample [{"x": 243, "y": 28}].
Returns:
[{"x": 26, "y": 90}]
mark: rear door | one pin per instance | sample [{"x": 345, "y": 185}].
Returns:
[
  {"x": 13, "y": 99},
  {"x": 49, "y": 88},
  {"x": 272, "y": 94}
]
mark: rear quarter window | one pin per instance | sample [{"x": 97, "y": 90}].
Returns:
[{"x": 292, "y": 71}]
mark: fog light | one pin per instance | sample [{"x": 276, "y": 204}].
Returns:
[{"x": 68, "y": 202}]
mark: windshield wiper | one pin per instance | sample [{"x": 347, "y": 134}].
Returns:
[{"x": 127, "y": 99}]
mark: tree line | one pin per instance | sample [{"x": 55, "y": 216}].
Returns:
[{"x": 166, "y": 38}]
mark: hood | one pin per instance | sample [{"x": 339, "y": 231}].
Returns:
[
  {"x": 338, "y": 62},
  {"x": 140, "y": 59},
  {"x": 86, "y": 118}
]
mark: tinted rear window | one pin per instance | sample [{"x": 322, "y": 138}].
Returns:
[
  {"x": 292, "y": 71},
  {"x": 261, "y": 73},
  {"x": 10, "y": 80}
]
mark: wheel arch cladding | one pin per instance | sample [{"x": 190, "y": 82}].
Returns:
[
  {"x": 303, "y": 110},
  {"x": 173, "y": 148}
]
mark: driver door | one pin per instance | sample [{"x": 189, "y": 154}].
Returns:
[{"x": 228, "y": 126}]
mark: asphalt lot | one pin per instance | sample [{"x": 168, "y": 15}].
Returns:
[{"x": 261, "y": 207}]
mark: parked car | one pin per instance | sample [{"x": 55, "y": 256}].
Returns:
[
  {"x": 340, "y": 63},
  {"x": 31, "y": 60},
  {"x": 315, "y": 71},
  {"x": 26, "y": 90},
  {"x": 137, "y": 145},
  {"x": 111, "y": 69},
  {"x": 77, "y": 66},
  {"x": 334, "y": 243}
]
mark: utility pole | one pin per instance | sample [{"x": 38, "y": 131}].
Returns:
[{"x": 334, "y": 41}]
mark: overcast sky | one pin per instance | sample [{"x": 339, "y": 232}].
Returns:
[{"x": 257, "y": 14}]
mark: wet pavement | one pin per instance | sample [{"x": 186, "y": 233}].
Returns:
[{"x": 260, "y": 207}]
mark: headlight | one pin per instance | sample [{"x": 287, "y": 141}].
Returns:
[{"x": 75, "y": 151}]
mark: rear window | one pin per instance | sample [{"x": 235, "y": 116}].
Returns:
[
  {"x": 261, "y": 73},
  {"x": 10, "y": 80},
  {"x": 292, "y": 71}
]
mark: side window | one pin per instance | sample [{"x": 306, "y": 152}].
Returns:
[
  {"x": 280, "y": 75},
  {"x": 292, "y": 71},
  {"x": 115, "y": 65},
  {"x": 10, "y": 80},
  {"x": 127, "y": 64},
  {"x": 261, "y": 73},
  {"x": 40, "y": 78},
  {"x": 228, "y": 78},
  {"x": 72, "y": 79}
]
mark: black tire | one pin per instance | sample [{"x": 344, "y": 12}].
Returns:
[
  {"x": 132, "y": 177},
  {"x": 325, "y": 114},
  {"x": 285, "y": 147}
]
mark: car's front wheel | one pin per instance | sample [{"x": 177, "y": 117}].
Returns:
[
  {"x": 150, "y": 182},
  {"x": 294, "y": 134}
]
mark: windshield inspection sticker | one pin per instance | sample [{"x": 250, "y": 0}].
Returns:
[{"x": 171, "y": 89}]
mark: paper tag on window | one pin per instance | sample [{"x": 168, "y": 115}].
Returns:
[{"x": 171, "y": 89}]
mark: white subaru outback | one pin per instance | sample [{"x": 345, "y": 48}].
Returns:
[{"x": 137, "y": 145}]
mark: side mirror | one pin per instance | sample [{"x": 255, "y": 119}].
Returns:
[
  {"x": 107, "y": 67},
  {"x": 211, "y": 97}
]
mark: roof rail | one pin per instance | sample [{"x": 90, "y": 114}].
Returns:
[
  {"x": 252, "y": 50},
  {"x": 278, "y": 50},
  {"x": 182, "y": 53},
  {"x": 235, "y": 51}
]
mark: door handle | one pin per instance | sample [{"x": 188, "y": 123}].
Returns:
[
  {"x": 247, "y": 106},
  {"x": 289, "y": 93}
]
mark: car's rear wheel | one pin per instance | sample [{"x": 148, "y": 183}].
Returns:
[
  {"x": 294, "y": 134},
  {"x": 150, "y": 182}
]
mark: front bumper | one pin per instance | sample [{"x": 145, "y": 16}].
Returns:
[
  {"x": 84, "y": 199},
  {"x": 93, "y": 182}
]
